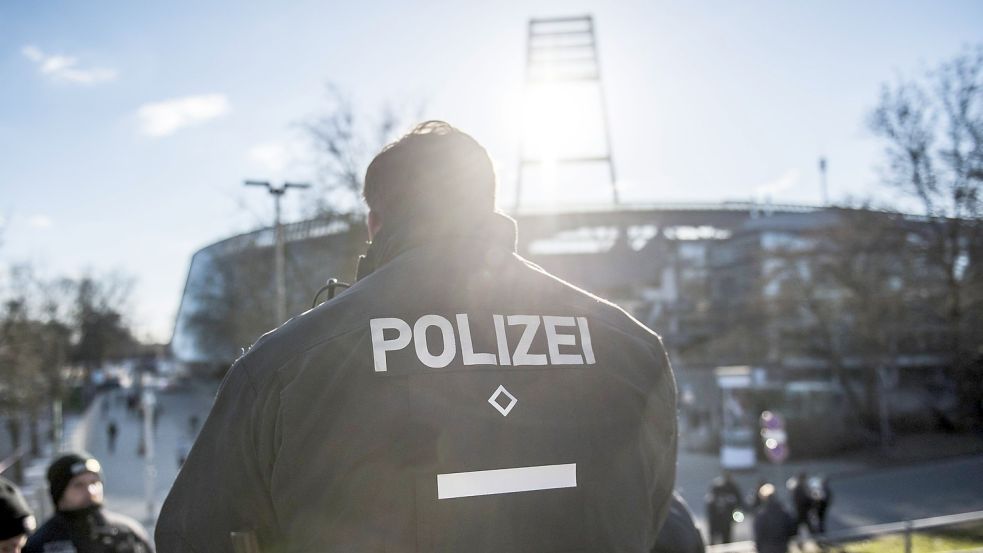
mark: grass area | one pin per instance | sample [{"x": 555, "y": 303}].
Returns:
[{"x": 954, "y": 538}]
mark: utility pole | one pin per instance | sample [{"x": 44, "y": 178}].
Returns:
[
  {"x": 149, "y": 403},
  {"x": 822, "y": 178},
  {"x": 278, "y": 254}
]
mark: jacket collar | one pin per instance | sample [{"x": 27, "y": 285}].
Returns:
[
  {"x": 493, "y": 230},
  {"x": 82, "y": 513}
]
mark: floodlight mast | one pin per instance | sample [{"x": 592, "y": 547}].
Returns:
[
  {"x": 279, "y": 261},
  {"x": 564, "y": 50}
]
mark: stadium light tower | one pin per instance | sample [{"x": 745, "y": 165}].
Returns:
[
  {"x": 562, "y": 60},
  {"x": 279, "y": 261}
]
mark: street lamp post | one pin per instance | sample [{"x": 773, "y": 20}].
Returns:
[
  {"x": 278, "y": 254},
  {"x": 822, "y": 177},
  {"x": 149, "y": 404}
]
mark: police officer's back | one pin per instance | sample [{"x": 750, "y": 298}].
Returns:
[{"x": 456, "y": 398}]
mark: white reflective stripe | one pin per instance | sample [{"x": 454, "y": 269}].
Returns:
[{"x": 519, "y": 479}]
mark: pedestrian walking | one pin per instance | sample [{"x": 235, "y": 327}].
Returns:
[
  {"x": 821, "y": 496},
  {"x": 455, "y": 398},
  {"x": 133, "y": 404},
  {"x": 112, "y": 431},
  {"x": 753, "y": 498},
  {"x": 16, "y": 519},
  {"x": 798, "y": 487},
  {"x": 81, "y": 524},
  {"x": 155, "y": 411},
  {"x": 723, "y": 498},
  {"x": 183, "y": 448},
  {"x": 773, "y": 526}
]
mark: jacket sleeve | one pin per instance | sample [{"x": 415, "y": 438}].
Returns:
[
  {"x": 660, "y": 434},
  {"x": 223, "y": 486}
]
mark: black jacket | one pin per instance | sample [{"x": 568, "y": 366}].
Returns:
[
  {"x": 722, "y": 499},
  {"x": 89, "y": 530},
  {"x": 773, "y": 527},
  {"x": 456, "y": 398},
  {"x": 679, "y": 533}
]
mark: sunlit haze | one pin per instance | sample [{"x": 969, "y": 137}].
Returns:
[{"x": 127, "y": 128}]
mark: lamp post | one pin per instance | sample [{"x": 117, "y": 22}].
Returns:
[
  {"x": 822, "y": 178},
  {"x": 149, "y": 403},
  {"x": 278, "y": 254}
]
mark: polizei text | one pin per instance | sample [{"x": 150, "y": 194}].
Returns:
[{"x": 569, "y": 333}]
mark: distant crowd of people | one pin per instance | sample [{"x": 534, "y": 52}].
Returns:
[{"x": 774, "y": 524}]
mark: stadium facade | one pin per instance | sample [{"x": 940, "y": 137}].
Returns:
[{"x": 705, "y": 276}]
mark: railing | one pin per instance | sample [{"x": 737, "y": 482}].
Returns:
[
  {"x": 13, "y": 458},
  {"x": 907, "y": 528}
]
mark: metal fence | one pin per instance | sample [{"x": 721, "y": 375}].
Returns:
[
  {"x": 14, "y": 458},
  {"x": 906, "y": 528}
]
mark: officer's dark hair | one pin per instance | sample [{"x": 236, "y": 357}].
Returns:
[{"x": 432, "y": 172}]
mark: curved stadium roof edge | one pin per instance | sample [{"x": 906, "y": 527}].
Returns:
[{"x": 315, "y": 227}]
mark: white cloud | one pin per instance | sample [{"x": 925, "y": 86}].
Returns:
[
  {"x": 272, "y": 156},
  {"x": 65, "y": 68},
  {"x": 33, "y": 53},
  {"x": 39, "y": 221},
  {"x": 770, "y": 189},
  {"x": 280, "y": 158},
  {"x": 167, "y": 117}
]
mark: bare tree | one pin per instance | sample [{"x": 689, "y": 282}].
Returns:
[
  {"x": 230, "y": 303},
  {"x": 20, "y": 368},
  {"x": 933, "y": 130},
  {"x": 344, "y": 143},
  {"x": 22, "y": 362},
  {"x": 847, "y": 293},
  {"x": 100, "y": 328},
  {"x": 44, "y": 324}
]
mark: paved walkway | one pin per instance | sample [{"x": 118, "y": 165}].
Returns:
[
  {"x": 124, "y": 467},
  {"x": 918, "y": 476}
]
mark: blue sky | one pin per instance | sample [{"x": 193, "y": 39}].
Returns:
[{"x": 126, "y": 128}]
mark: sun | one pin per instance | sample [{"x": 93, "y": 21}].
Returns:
[{"x": 562, "y": 126}]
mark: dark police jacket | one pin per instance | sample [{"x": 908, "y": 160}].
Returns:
[
  {"x": 457, "y": 398},
  {"x": 89, "y": 530},
  {"x": 773, "y": 527}
]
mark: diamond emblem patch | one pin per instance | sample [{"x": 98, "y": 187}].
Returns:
[{"x": 498, "y": 405}]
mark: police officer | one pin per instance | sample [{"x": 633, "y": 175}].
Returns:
[
  {"x": 80, "y": 523},
  {"x": 822, "y": 496},
  {"x": 722, "y": 499},
  {"x": 16, "y": 520},
  {"x": 798, "y": 487},
  {"x": 456, "y": 398},
  {"x": 773, "y": 525}
]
